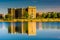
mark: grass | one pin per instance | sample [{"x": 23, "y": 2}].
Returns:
[{"x": 35, "y": 20}]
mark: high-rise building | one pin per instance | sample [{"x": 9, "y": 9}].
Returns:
[
  {"x": 32, "y": 11},
  {"x": 16, "y": 13},
  {"x": 20, "y": 12},
  {"x": 11, "y": 11}
]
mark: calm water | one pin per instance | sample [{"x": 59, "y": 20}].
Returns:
[{"x": 45, "y": 31}]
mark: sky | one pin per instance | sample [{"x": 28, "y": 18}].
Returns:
[{"x": 41, "y": 5}]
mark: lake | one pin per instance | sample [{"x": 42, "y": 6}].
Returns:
[{"x": 44, "y": 31}]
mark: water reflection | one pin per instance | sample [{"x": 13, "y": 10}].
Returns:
[
  {"x": 28, "y": 27},
  {"x": 23, "y": 27},
  {"x": 18, "y": 27},
  {"x": 1, "y": 24},
  {"x": 6, "y": 24},
  {"x": 48, "y": 25}
]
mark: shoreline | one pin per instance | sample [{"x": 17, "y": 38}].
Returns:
[{"x": 32, "y": 20}]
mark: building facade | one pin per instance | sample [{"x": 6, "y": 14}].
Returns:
[
  {"x": 32, "y": 11},
  {"x": 11, "y": 11},
  {"x": 18, "y": 13}
]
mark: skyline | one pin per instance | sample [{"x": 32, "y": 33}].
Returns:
[{"x": 41, "y": 5}]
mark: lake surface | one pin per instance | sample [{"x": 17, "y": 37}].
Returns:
[{"x": 44, "y": 31}]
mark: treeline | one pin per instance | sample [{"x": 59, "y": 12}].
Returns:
[{"x": 48, "y": 15}]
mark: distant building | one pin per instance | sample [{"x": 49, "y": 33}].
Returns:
[
  {"x": 18, "y": 13},
  {"x": 11, "y": 11},
  {"x": 32, "y": 11},
  {"x": 38, "y": 14},
  {"x": 1, "y": 16}
]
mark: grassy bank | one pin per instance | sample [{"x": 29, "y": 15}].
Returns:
[{"x": 33, "y": 20}]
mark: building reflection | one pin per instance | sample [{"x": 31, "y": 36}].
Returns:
[
  {"x": 47, "y": 25},
  {"x": 40, "y": 26},
  {"x": 18, "y": 26},
  {"x": 11, "y": 28},
  {"x": 23, "y": 27},
  {"x": 30, "y": 28}
]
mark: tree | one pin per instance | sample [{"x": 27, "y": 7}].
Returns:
[
  {"x": 58, "y": 15},
  {"x": 26, "y": 15},
  {"x": 48, "y": 15},
  {"x": 54, "y": 15},
  {"x": 8, "y": 17},
  {"x": 44, "y": 15}
]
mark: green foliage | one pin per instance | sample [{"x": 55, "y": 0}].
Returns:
[
  {"x": 44, "y": 15},
  {"x": 8, "y": 17},
  {"x": 58, "y": 15},
  {"x": 50, "y": 15},
  {"x": 26, "y": 15},
  {"x": 54, "y": 15}
]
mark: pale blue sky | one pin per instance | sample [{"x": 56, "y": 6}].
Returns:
[{"x": 41, "y": 5}]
